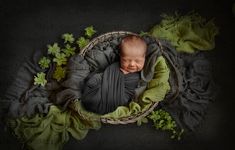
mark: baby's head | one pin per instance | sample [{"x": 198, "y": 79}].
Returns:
[{"x": 132, "y": 54}]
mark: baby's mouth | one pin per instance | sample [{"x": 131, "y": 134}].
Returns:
[{"x": 131, "y": 69}]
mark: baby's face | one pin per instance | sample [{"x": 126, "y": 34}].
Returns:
[{"x": 132, "y": 59}]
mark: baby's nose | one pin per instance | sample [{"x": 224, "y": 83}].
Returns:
[{"x": 132, "y": 63}]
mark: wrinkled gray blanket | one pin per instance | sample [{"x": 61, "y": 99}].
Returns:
[
  {"x": 190, "y": 79},
  {"x": 196, "y": 87}
]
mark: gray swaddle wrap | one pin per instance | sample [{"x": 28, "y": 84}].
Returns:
[{"x": 104, "y": 92}]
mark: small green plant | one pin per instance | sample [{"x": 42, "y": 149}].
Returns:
[
  {"x": 44, "y": 62},
  {"x": 89, "y": 31},
  {"x": 82, "y": 42},
  {"x": 53, "y": 49},
  {"x": 59, "y": 73},
  {"x": 39, "y": 79},
  {"x": 68, "y": 50},
  {"x": 60, "y": 59},
  {"x": 163, "y": 121},
  {"x": 68, "y": 38}
]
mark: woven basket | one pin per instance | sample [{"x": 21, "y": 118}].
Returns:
[{"x": 135, "y": 117}]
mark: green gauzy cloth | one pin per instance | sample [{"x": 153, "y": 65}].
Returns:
[
  {"x": 51, "y": 131},
  {"x": 187, "y": 33}
]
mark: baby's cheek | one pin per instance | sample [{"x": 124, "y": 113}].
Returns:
[
  {"x": 140, "y": 66},
  {"x": 124, "y": 66}
]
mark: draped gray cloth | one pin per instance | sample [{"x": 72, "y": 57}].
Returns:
[
  {"x": 104, "y": 92},
  {"x": 196, "y": 90},
  {"x": 22, "y": 97}
]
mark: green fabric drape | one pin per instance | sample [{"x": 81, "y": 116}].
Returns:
[
  {"x": 51, "y": 131},
  {"x": 187, "y": 33}
]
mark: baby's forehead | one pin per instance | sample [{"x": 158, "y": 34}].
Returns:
[
  {"x": 133, "y": 44},
  {"x": 133, "y": 41},
  {"x": 133, "y": 52}
]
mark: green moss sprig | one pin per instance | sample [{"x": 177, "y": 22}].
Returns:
[
  {"x": 44, "y": 62},
  {"x": 68, "y": 38},
  {"x": 40, "y": 79},
  {"x": 60, "y": 59},
  {"x": 163, "y": 121},
  {"x": 89, "y": 31},
  {"x": 82, "y": 42},
  {"x": 59, "y": 73},
  {"x": 68, "y": 50},
  {"x": 53, "y": 49}
]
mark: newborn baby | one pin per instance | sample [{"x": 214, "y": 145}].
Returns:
[
  {"x": 104, "y": 92},
  {"x": 132, "y": 54}
]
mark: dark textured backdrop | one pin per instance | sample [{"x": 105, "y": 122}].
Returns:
[{"x": 26, "y": 26}]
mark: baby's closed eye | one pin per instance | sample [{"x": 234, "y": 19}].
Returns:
[{"x": 138, "y": 60}]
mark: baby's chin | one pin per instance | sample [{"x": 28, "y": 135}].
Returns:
[{"x": 126, "y": 71}]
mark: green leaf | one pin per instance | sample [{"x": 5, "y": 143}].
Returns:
[
  {"x": 82, "y": 42},
  {"x": 60, "y": 59},
  {"x": 89, "y": 31},
  {"x": 44, "y": 62},
  {"x": 69, "y": 51},
  {"x": 39, "y": 79},
  {"x": 59, "y": 73},
  {"x": 68, "y": 38},
  {"x": 53, "y": 49}
]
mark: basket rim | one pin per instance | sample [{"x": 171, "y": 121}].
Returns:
[{"x": 134, "y": 117}]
